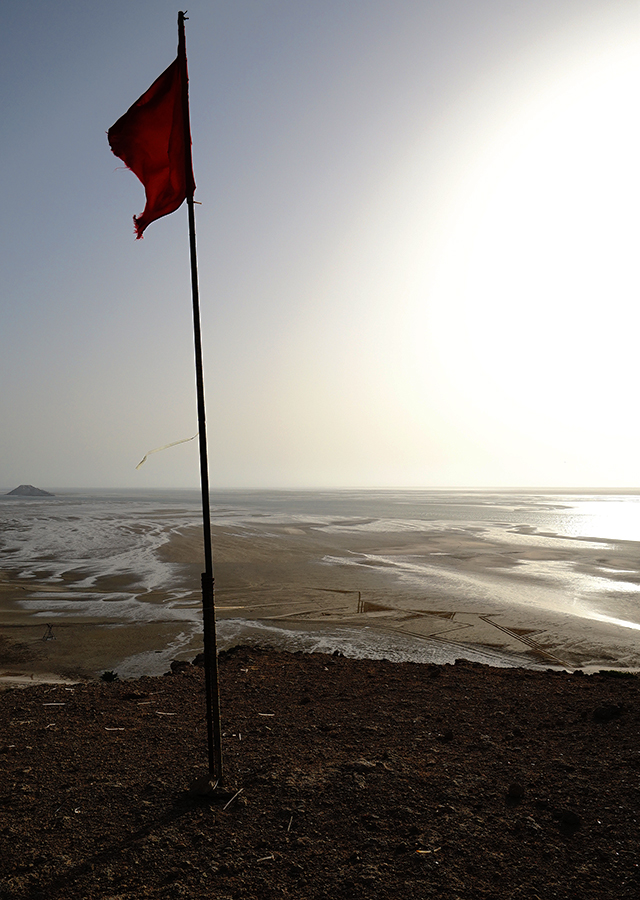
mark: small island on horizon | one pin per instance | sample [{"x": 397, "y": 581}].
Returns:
[{"x": 28, "y": 490}]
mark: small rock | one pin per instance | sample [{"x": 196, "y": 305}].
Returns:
[
  {"x": 362, "y": 765},
  {"x": 607, "y": 712},
  {"x": 568, "y": 821},
  {"x": 515, "y": 793},
  {"x": 179, "y": 665}
]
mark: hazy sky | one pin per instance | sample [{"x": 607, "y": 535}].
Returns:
[{"x": 418, "y": 245}]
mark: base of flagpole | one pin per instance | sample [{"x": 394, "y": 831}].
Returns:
[{"x": 207, "y": 788}]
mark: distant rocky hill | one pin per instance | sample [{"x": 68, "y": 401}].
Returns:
[{"x": 28, "y": 490}]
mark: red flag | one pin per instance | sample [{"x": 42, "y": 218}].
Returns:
[{"x": 153, "y": 140}]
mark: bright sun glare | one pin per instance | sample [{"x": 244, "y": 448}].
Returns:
[
  {"x": 535, "y": 297},
  {"x": 541, "y": 271}
]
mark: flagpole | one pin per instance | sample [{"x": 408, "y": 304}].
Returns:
[{"x": 212, "y": 690}]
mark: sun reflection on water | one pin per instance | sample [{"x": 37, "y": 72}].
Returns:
[
  {"x": 611, "y": 620},
  {"x": 607, "y": 519}
]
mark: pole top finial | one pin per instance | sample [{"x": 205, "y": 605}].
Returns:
[{"x": 182, "y": 18}]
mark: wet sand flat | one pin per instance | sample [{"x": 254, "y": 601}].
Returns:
[
  {"x": 442, "y": 585},
  {"x": 352, "y": 577}
]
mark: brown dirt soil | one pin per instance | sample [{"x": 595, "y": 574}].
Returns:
[{"x": 358, "y": 778}]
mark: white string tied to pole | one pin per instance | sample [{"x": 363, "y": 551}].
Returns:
[{"x": 166, "y": 447}]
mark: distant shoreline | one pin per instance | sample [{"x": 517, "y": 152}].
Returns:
[{"x": 64, "y": 490}]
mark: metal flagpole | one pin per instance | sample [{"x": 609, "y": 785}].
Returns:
[{"x": 214, "y": 735}]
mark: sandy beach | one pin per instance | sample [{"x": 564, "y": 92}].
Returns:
[{"x": 301, "y": 586}]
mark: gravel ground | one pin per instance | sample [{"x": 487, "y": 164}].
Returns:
[{"x": 343, "y": 779}]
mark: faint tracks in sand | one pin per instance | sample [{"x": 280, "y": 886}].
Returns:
[{"x": 534, "y": 645}]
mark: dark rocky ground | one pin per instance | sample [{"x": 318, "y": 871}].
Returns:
[{"x": 357, "y": 779}]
